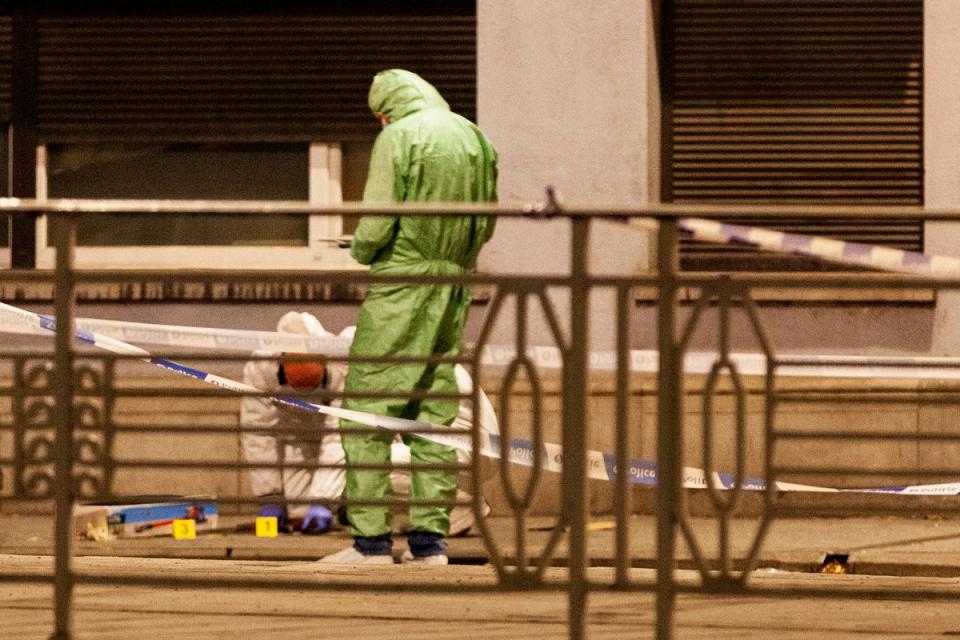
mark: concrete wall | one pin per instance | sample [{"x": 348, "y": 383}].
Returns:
[{"x": 817, "y": 406}]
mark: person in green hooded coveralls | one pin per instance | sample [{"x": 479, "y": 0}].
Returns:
[{"x": 425, "y": 153}]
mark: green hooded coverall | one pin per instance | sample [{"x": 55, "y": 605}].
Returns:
[{"x": 426, "y": 154}]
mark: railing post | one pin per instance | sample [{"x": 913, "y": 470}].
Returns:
[
  {"x": 622, "y": 502},
  {"x": 575, "y": 425},
  {"x": 64, "y": 230},
  {"x": 669, "y": 424}
]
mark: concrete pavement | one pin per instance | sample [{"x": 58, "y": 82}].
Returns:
[
  {"x": 880, "y": 545},
  {"x": 898, "y": 556},
  {"x": 110, "y": 612}
]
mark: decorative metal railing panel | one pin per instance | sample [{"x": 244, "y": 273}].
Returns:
[{"x": 61, "y": 442}]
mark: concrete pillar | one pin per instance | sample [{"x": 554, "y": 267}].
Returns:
[
  {"x": 564, "y": 92},
  {"x": 941, "y": 49}
]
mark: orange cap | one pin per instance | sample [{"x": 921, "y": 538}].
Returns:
[{"x": 300, "y": 373}]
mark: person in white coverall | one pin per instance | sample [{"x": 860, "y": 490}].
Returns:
[{"x": 322, "y": 479}]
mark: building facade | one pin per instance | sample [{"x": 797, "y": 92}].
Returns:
[
  {"x": 678, "y": 101},
  {"x": 697, "y": 101}
]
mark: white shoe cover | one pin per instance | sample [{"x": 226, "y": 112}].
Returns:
[
  {"x": 351, "y": 556},
  {"x": 437, "y": 560},
  {"x": 461, "y": 519}
]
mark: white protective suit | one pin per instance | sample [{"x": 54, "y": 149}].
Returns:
[{"x": 305, "y": 442}]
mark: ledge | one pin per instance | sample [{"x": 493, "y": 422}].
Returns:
[
  {"x": 148, "y": 290},
  {"x": 153, "y": 291},
  {"x": 813, "y": 295}
]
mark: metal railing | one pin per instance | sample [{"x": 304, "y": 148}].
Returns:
[{"x": 60, "y": 453}]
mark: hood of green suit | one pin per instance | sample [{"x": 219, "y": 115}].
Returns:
[{"x": 398, "y": 93}]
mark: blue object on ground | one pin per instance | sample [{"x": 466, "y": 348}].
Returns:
[
  {"x": 277, "y": 511},
  {"x": 318, "y": 519}
]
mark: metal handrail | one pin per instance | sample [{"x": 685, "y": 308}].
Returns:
[{"x": 621, "y": 211}]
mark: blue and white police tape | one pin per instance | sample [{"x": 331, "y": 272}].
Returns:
[
  {"x": 600, "y": 465},
  {"x": 546, "y": 357},
  {"x": 189, "y": 337},
  {"x": 48, "y": 325},
  {"x": 852, "y": 253}
]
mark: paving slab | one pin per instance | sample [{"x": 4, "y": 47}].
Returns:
[{"x": 453, "y": 603}]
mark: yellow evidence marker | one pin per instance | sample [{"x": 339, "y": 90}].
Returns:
[
  {"x": 266, "y": 527},
  {"x": 185, "y": 529}
]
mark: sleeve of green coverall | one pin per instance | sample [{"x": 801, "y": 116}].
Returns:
[
  {"x": 488, "y": 223},
  {"x": 372, "y": 234},
  {"x": 385, "y": 183},
  {"x": 484, "y": 225},
  {"x": 486, "y": 230}
]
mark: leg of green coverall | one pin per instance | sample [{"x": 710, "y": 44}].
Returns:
[
  {"x": 434, "y": 485},
  {"x": 372, "y": 448}
]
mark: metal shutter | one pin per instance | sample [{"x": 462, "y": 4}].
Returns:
[
  {"x": 299, "y": 75},
  {"x": 795, "y": 101},
  {"x": 6, "y": 66}
]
